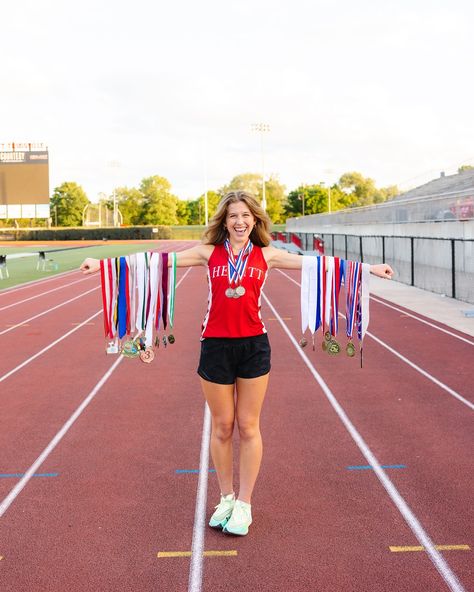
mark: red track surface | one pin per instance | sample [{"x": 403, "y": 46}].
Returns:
[{"x": 117, "y": 500}]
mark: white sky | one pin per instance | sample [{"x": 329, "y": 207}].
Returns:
[{"x": 162, "y": 88}]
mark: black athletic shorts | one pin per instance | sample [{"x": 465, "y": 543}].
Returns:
[{"x": 225, "y": 359}]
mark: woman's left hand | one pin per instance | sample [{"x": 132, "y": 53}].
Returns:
[{"x": 382, "y": 270}]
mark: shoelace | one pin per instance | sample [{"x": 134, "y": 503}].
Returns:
[
  {"x": 240, "y": 513},
  {"x": 224, "y": 504}
]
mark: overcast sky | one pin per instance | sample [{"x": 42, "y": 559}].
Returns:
[{"x": 172, "y": 88}]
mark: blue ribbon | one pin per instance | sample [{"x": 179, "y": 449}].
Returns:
[
  {"x": 122, "y": 299},
  {"x": 318, "y": 295}
]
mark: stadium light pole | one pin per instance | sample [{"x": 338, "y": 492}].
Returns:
[{"x": 262, "y": 128}]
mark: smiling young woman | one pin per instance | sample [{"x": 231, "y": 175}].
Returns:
[{"x": 234, "y": 363}]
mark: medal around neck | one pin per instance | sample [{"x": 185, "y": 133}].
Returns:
[{"x": 230, "y": 293}]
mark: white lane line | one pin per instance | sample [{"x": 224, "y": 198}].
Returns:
[
  {"x": 443, "y": 386},
  {"x": 423, "y": 372},
  {"x": 402, "y": 311},
  {"x": 45, "y": 349},
  {"x": 422, "y": 320},
  {"x": 7, "y": 502},
  {"x": 43, "y": 294},
  {"x": 48, "y": 310},
  {"x": 10, "y": 498},
  {"x": 25, "y": 285},
  {"x": 412, "y": 521},
  {"x": 197, "y": 546}
]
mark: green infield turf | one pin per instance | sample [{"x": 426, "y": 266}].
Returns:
[{"x": 23, "y": 269}]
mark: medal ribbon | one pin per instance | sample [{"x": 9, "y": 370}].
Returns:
[
  {"x": 172, "y": 290},
  {"x": 336, "y": 287},
  {"x": 236, "y": 267},
  {"x": 122, "y": 298},
  {"x": 164, "y": 306},
  {"x": 105, "y": 304},
  {"x": 353, "y": 273}
]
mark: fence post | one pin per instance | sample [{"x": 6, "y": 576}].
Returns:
[
  {"x": 333, "y": 245},
  {"x": 453, "y": 268},
  {"x": 383, "y": 249},
  {"x": 345, "y": 244},
  {"x": 412, "y": 244},
  {"x": 361, "y": 251}
]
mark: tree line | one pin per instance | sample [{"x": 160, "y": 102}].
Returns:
[{"x": 154, "y": 202}]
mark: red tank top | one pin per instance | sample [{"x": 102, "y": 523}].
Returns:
[{"x": 234, "y": 317}]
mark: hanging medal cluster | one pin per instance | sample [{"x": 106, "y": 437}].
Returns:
[
  {"x": 236, "y": 268},
  {"x": 321, "y": 281},
  {"x": 138, "y": 299}
]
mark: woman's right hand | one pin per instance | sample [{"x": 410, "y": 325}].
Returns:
[{"x": 90, "y": 265}]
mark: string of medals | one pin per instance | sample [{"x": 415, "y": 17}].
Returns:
[
  {"x": 138, "y": 300},
  {"x": 236, "y": 268},
  {"x": 321, "y": 281}
]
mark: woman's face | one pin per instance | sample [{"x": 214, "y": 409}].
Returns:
[{"x": 239, "y": 222}]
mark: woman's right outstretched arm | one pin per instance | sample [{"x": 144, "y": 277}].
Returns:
[{"x": 198, "y": 255}]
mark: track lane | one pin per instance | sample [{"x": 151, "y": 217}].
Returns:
[
  {"x": 317, "y": 551},
  {"x": 134, "y": 427}
]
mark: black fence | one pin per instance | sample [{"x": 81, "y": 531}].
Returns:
[{"x": 441, "y": 265}]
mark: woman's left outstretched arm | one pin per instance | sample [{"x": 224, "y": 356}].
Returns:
[{"x": 278, "y": 258}]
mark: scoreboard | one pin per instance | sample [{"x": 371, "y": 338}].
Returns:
[{"x": 24, "y": 181}]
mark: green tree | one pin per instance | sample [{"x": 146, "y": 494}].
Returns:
[
  {"x": 274, "y": 192},
  {"x": 362, "y": 190},
  {"x": 67, "y": 204},
  {"x": 159, "y": 204},
  {"x": 196, "y": 207},
  {"x": 130, "y": 204}
]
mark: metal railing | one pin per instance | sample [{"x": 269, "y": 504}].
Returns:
[{"x": 441, "y": 265}]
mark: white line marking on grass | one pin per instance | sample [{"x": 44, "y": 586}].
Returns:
[
  {"x": 412, "y": 521},
  {"x": 197, "y": 546},
  {"x": 426, "y": 374},
  {"x": 6, "y": 503},
  {"x": 45, "y": 349},
  {"x": 42, "y": 294},
  {"x": 48, "y": 310}
]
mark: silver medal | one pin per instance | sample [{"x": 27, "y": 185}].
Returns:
[
  {"x": 230, "y": 293},
  {"x": 240, "y": 290}
]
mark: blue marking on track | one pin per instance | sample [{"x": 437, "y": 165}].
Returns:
[
  {"x": 179, "y": 471},
  {"x": 19, "y": 475},
  {"x": 368, "y": 467}
]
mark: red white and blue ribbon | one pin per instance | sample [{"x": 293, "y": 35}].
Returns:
[{"x": 237, "y": 265}]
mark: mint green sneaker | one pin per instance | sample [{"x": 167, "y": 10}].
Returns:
[
  {"x": 240, "y": 519},
  {"x": 223, "y": 511}
]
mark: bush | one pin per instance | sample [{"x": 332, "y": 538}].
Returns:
[{"x": 64, "y": 234}]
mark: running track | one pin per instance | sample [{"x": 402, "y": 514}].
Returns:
[{"x": 108, "y": 490}]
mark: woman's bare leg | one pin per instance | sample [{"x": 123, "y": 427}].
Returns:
[
  {"x": 220, "y": 398},
  {"x": 250, "y": 396}
]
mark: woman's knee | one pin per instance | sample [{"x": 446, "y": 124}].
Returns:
[
  {"x": 248, "y": 428},
  {"x": 222, "y": 429}
]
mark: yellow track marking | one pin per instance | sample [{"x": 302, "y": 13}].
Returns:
[
  {"x": 438, "y": 547},
  {"x": 164, "y": 554},
  {"x": 283, "y": 318}
]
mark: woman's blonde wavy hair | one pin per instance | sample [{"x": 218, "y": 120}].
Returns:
[{"x": 216, "y": 232}]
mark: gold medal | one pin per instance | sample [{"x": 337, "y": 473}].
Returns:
[
  {"x": 303, "y": 342},
  {"x": 333, "y": 347},
  {"x": 147, "y": 355},
  {"x": 171, "y": 339},
  {"x": 350, "y": 349},
  {"x": 130, "y": 349}
]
